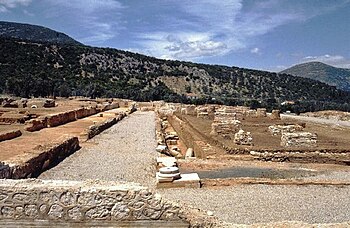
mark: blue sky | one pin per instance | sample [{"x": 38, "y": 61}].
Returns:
[{"x": 260, "y": 34}]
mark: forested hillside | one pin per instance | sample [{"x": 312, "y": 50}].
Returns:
[{"x": 46, "y": 69}]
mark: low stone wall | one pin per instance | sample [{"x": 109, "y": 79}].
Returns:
[
  {"x": 59, "y": 118},
  {"x": 74, "y": 201},
  {"x": 299, "y": 139},
  {"x": 98, "y": 128},
  {"x": 34, "y": 162},
  {"x": 36, "y": 124},
  {"x": 280, "y": 129},
  {"x": 340, "y": 158},
  {"x": 10, "y": 135},
  {"x": 107, "y": 106},
  {"x": 84, "y": 112}
]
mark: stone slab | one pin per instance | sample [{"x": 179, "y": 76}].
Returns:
[{"x": 187, "y": 180}]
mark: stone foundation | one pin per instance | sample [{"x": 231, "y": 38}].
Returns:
[
  {"x": 94, "y": 130},
  {"x": 10, "y": 135},
  {"x": 34, "y": 162},
  {"x": 59, "y": 118},
  {"x": 280, "y": 129},
  {"x": 300, "y": 139}
]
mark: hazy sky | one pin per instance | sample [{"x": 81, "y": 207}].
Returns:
[{"x": 259, "y": 34}]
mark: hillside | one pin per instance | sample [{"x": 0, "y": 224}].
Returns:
[
  {"x": 34, "y": 33},
  {"x": 334, "y": 76},
  {"x": 32, "y": 69}
]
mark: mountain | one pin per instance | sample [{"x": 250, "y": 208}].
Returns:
[
  {"x": 34, "y": 33},
  {"x": 334, "y": 76},
  {"x": 46, "y": 69}
]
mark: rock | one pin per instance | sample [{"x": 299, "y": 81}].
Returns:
[
  {"x": 210, "y": 213},
  {"x": 189, "y": 153},
  {"x": 161, "y": 148}
]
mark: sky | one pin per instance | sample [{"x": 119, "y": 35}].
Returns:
[{"x": 260, "y": 34}]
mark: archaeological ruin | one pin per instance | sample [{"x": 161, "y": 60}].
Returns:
[{"x": 185, "y": 150}]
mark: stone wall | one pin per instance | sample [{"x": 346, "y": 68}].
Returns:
[
  {"x": 96, "y": 129},
  {"x": 280, "y": 129},
  {"x": 10, "y": 135},
  {"x": 57, "y": 119},
  {"x": 225, "y": 123},
  {"x": 74, "y": 201},
  {"x": 34, "y": 162},
  {"x": 299, "y": 139}
]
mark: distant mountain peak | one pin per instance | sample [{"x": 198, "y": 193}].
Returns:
[
  {"x": 322, "y": 72},
  {"x": 34, "y": 33}
]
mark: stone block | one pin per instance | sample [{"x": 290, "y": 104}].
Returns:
[{"x": 188, "y": 180}]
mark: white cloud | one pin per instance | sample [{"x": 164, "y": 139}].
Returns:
[
  {"x": 228, "y": 25},
  {"x": 218, "y": 27},
  {"x": 88, "y": 6},
  {"x": 6, "y": 5},
  {"x": 97, "y": 19},
  {"x": 255, "y": 51},
  {"x": 334, "y": 60}
]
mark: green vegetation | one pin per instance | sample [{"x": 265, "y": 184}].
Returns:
[
  {"x": 334, "y": 76},
  {"x": 46, "y": 69}
]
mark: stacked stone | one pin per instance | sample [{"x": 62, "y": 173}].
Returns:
[
  {"x": 225, "y": 123},
  {"x": 261, "y": 112},
  {"x": 251, "y": 113},
  {"x": 168, "y": 174},
  {"x": 280, "y": 129},
  {"x": 243, "y": 138},
  {"x": 275, "y": 115},
  {"x": 202, "y": 112},
  {"x": 299, "y": 139},
  {"x": 164, "y": 111}
]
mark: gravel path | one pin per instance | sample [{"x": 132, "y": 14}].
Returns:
[
  {"x": 318, "y": 120},
  {"x": 248, "y": 204},
  {"x": 125, "y": 152}
]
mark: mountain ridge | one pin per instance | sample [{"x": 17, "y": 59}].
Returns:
[
  {"x": 34, "y": 33},
  {"x": 334, "y": 76},
  {"x": 57, "y": 69}
]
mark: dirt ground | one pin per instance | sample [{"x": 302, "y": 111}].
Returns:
[
  {"x": 329, "y": 137},
  {"x": 28, "y": 141},
  {"x": 62, "y": 105}
]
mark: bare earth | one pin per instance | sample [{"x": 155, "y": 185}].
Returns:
[{"x": 125, "y": 152}]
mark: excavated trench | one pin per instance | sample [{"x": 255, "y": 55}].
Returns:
[{"x": 254, "y": 172}]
